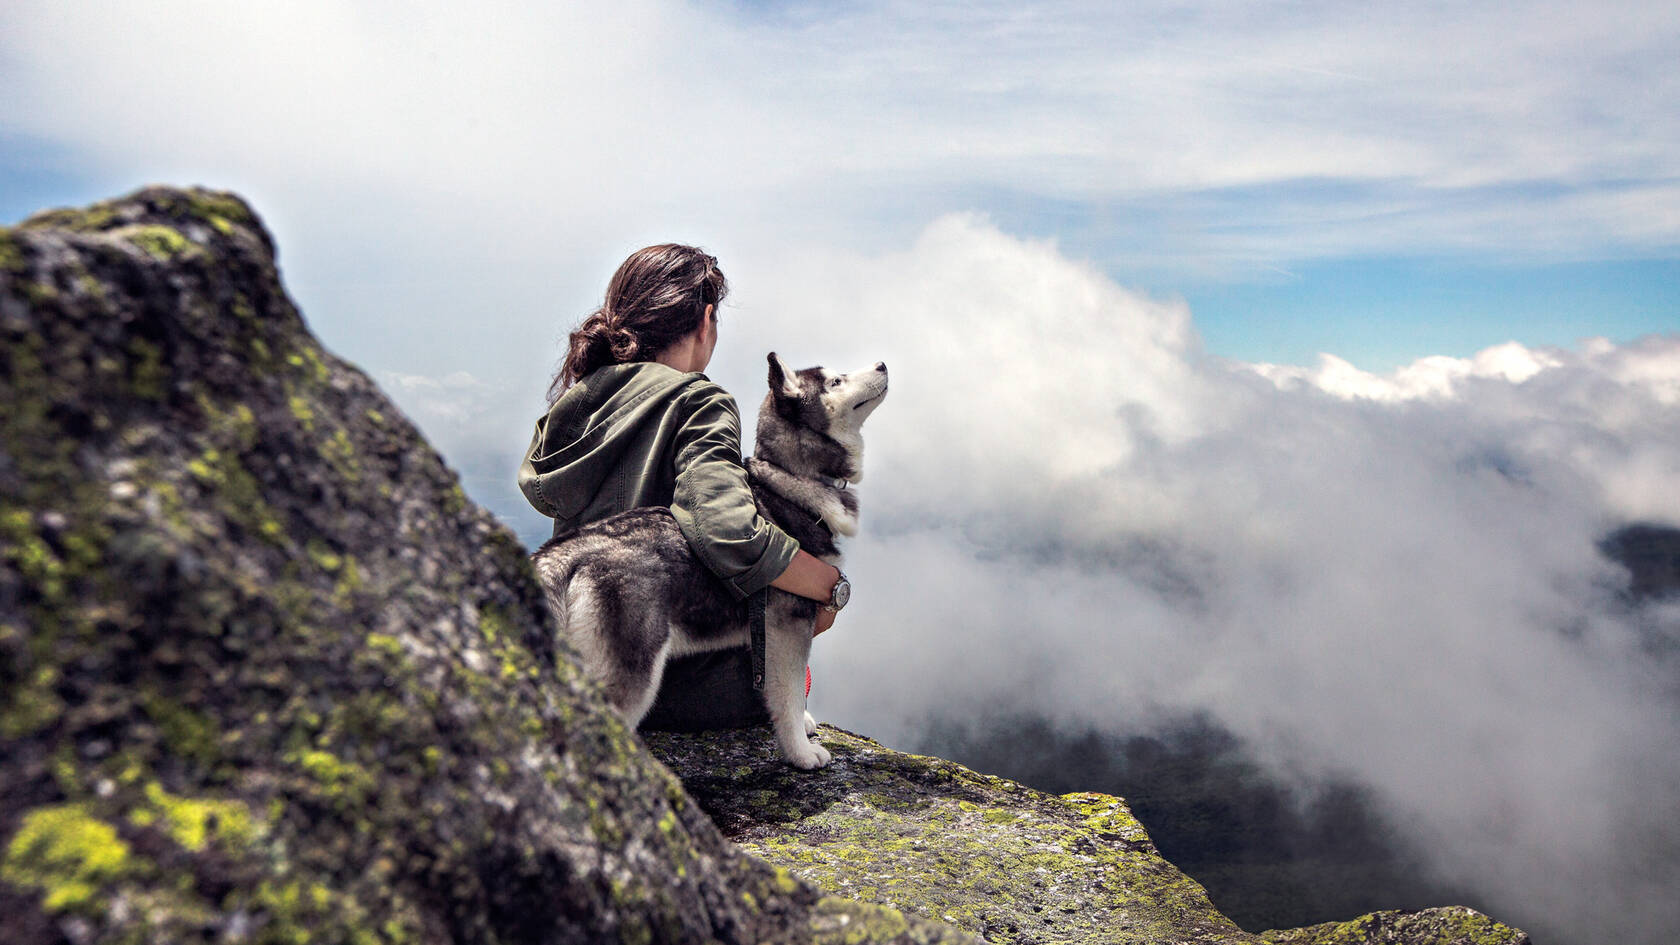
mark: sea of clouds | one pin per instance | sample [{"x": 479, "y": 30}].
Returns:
[{"x": 1071, "y": 511}]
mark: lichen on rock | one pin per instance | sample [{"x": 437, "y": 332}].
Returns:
[
  {"x": 929, "y": 837},
  {"x": 932, "y": 838},
  {"x": 1448, "y": 925}
]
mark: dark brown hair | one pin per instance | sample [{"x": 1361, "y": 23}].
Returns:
[{"x": 656, "y": 297}]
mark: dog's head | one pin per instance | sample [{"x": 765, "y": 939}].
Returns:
[
  {"x": 830, "y": 403},
  {"x": 818, "y": 401}
]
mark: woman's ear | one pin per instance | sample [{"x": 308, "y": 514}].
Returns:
[
  {"x": 782, "y": 379},
  {"x": 709, "y": 325}
]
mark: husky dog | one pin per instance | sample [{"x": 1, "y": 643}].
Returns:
[{"x": 629, "y": 594}]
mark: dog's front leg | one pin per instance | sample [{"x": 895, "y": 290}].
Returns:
[{"x": 787, "y": 646}]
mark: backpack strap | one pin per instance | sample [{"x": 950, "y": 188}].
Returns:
[{"x": 755, "y": 625}]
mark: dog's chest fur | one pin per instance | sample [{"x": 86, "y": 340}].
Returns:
[{"x": 801, "y": 525}]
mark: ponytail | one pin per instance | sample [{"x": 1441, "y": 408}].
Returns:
[{"x": 657, "y": 296}]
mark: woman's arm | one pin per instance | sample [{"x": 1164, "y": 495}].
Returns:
[
  {"x": 714, "y": 507},
  {"x": 809, "y": 576},
  {"x": 713, "y": 502}
]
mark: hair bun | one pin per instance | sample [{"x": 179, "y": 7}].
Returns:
[
  {"x": 650, "y": 305},
  {"x": 625, "y": 345}
]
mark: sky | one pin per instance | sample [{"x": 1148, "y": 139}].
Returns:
[{"x": 1278, "y": 362}]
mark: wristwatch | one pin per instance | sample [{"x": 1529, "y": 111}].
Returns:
[{"x": 838, "y": 597}]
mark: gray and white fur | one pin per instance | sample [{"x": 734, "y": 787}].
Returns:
[{"x": 629, "y": 594}]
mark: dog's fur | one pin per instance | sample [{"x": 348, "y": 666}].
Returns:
[{"x": 629, "y": 594}]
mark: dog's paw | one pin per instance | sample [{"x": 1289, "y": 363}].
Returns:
[
  {"x": 810, "y": 726},
  {"x": 809, "y": 757}
]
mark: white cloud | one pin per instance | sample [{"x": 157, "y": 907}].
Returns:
[
  {"x": 1070, "y": 510},
  {"x": 1432, "y": 125},
  {"x": 1434, "y": 377}
]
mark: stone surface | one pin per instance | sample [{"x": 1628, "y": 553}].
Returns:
[
  {"x": 265, "y": 674},
  {"x": 930, "y": 837},
  {"x": 1449, "y": 925}
]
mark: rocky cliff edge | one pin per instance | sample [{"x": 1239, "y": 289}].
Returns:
[{"x": 985, "y": 854}]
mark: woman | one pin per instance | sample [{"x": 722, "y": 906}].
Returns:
[{"x": 632, "y": 422}]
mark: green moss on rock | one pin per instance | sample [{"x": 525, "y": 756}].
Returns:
[
  {"x": 68, "y": 855},
  {"x": 927, "y": 837},
  {"x": 162, "y": 242},
  {"x": 222, "y": 211},
  {"x": 32, "y": 706},
  {"x": 100, "y": 216},
  {"x": 11, "y": 252},
  {"x": 1450, "y": 925},
  {"x": 187, "y": 734},
  {"x": 931, "y": 838},
  {"x": 195, "y": 822}
]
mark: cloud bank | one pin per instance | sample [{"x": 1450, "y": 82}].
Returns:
[{"x": 1073, "y": 512}]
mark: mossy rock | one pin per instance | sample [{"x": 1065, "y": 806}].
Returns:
[
  {"x": 929, "y": 837},
  {"x": 265, "y": 675},
  {"x": 1449, "y": 925}
]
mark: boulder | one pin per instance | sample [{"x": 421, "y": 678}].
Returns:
[{"x": 266, "y": 674}]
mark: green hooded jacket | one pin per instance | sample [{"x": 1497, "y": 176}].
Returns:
[{"x": 633, "y": 435}]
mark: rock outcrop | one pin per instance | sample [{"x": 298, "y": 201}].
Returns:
[
  {"x": 1451, "y": 925},
  {"x": 266, "y": 676},
  {"x": 985, "y": 854}
]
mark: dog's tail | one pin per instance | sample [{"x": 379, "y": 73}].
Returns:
[{"x": 555, "y": 567}]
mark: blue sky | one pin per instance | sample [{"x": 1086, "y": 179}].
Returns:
[
  {"x": 1380, "y": 185},
  {"x": 1380, "y": 313},
  {"x": 1377, "y": 311}
]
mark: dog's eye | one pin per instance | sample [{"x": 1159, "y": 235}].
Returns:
[{"x": 835, "y": 381}]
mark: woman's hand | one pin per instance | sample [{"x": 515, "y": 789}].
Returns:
[
  {"x": 825, "y": 619},
  {"x": 809, "y": 577},
  {"x": 812, "y": 578}
]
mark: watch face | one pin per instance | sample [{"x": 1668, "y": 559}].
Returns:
[{"x": 842, "y": 593}]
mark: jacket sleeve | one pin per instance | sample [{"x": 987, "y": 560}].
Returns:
[{"x": 713, "y": 504}]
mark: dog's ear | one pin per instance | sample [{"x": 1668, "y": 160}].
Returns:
[{"x": 782, "y": 379}]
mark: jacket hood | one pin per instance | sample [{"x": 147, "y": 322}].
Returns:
[{"x": 585, "y": 434}]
